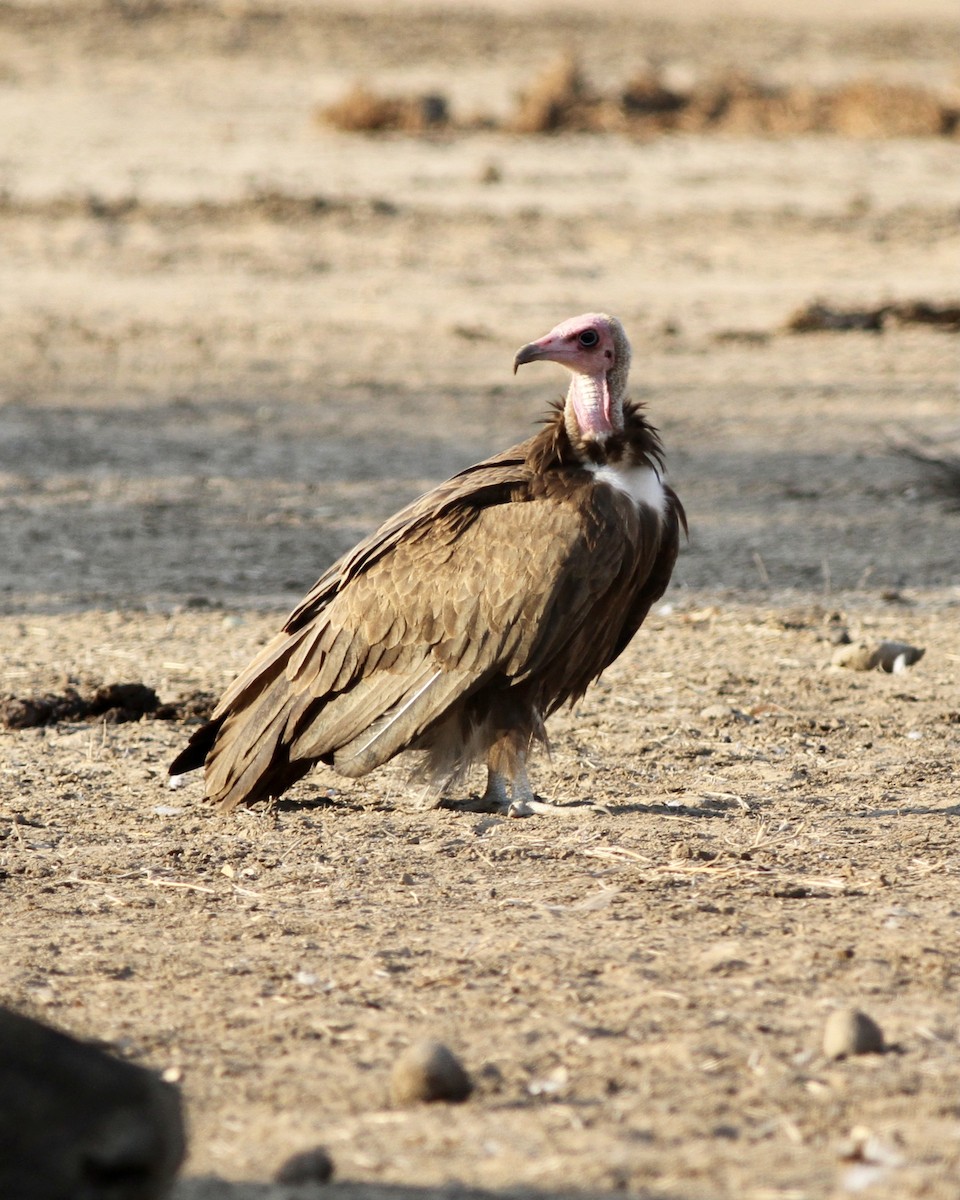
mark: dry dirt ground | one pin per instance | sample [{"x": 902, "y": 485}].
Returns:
[{"x": 234, "y": 340}]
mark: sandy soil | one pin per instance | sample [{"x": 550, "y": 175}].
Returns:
[{"x": 233, "y": 341}]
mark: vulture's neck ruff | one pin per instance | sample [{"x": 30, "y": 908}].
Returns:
[{"x": 595, "y": 350}]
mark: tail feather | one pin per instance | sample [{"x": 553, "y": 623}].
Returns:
[
  {"x": 194, "y": 754},
  {"x": 262, "y": 773},
  {"x": 260, "y": 747},
  {"x": 251, "y": 758}
]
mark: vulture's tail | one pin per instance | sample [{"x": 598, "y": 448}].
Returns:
[
  {"x": 194, "y": 754},
  {"x": 248, "y": 768}
]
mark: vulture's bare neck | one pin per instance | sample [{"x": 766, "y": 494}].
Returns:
[{"x": 595, "y": 414}]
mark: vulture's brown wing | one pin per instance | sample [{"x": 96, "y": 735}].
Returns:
[
  {"x": 429, "y": 622},
  {"x": 657, "y": 572},
  {"x": 479, "y": 579},
  {"x": 619, "y": 567},
  {"x": 455, "y": 503}
]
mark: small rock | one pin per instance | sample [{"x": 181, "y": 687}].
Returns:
[
  {"x": 428, "y": 1071},
  {"x": 723, "y": 958},
  {"x": 716, "y": 712},
  {"x": 895, "y": 657},
  {"x": 889, "y": 656},
  {"x": 551, "y": 1084},
  {"x": 491, "y": 1078},
  {"x": 855, "y": 656},
  {"x": 309, "y": 1166},
  {"x": 849, "y": 1031}
]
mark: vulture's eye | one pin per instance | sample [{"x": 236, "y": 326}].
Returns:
[{"x": 588, "y": 338}]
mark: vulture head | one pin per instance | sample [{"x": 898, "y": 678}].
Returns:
[{"x": 594, "y": 348}]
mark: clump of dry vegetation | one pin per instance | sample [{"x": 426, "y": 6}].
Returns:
[
  {"x": 818, "y": 317},
  {"x": 866, "y": 108},
  {"x": 562, "y": 99},
  {"x": 113, "y": 703},
  {"x": 362, "y": 110},
  {"x": 559, "y": 98},
  {"x": 739, "y": 104}
]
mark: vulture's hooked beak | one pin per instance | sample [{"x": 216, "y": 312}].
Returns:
[
  {"x": 525, "y": 354},
  {"x": 545, "y": 349}
]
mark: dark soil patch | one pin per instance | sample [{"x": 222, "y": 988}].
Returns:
[{"x": 114, "y": 703}]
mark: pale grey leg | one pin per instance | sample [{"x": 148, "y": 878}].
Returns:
[
  {"x": 506, "y": 797},
  {"x": 522, "y": 802},
  {"x": 496, "y": 798},
  {"x": 514, "y": 797}
]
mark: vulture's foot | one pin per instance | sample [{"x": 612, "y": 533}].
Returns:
[
  {"x": 525, "y": 806},
  {"x": 535, "y": 807},
  {"x": 503, "y": 798},
  {"x": 516, "y": 798},
  {"x": 511, "y": 798},
  {"x": 530, "y": 807}
]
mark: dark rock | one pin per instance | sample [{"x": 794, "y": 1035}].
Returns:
[
  {"x": 77, "y": 1123},
  {"x": 309, "y": 1166}
]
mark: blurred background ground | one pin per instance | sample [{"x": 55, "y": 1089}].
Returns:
[{"x": 235, "y": 337}]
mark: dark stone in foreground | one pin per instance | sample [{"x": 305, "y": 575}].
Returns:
[
  {"x": 78, "y": 1124},
  {"x": 309, "y": 1166}
]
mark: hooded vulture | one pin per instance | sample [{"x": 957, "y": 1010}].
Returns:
[{"x": 465, "y": 620}]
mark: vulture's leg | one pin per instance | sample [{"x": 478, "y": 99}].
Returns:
[
  {"x": 506, "y": 796},
  {"x": 511, "y": 797},
  {"x": 509, "y": 792},
  {"x": 496, "y": 798},
  {"x": 515, "y": 797}
]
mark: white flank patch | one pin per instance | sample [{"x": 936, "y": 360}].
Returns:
[{"x": 641, "y": 484}]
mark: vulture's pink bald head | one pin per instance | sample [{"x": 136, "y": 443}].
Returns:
[
  {"x": 586, "y": 345},
  {"x": 595, "y": 349}
]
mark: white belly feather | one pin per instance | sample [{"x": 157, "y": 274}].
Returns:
[{"x": 642, "y": 484}]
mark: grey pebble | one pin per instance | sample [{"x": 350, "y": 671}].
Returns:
[
  {"x": 849, "y": 1031},
  {"x": 428, "y": 1071},
  {"x": 889, "y": 656}
]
